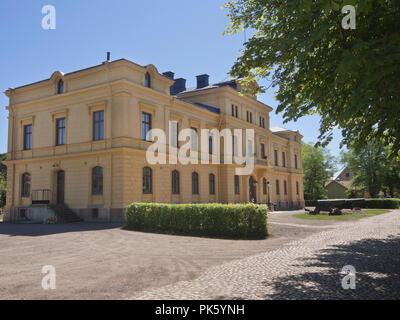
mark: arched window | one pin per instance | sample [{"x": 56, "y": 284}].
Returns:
[
  {"x": 264, "y": 186},
  {"x": 97, "y": 181},
  {"x": 175, "y": 182},
  {"x": 26, "y": 185},
  {"x": 212, "y": 183},
  {"x": 60, "y": 86},
  {"x": 195, "y": 183},
  {"x": 147, "y": 180},
  {"x": 147, "y": 80}
]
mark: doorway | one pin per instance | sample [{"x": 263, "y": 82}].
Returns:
[
  {"x": 252, "y": 190},
  {"x": 60, "y": 186}
]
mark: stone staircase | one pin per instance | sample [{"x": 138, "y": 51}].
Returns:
[{"x": 64, "y": 214}]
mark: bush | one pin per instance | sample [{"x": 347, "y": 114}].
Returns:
[
  {"x": 310, "y": 203},
  {"x": 381, "y": 204},
  {"x": 218, "y": 220}
]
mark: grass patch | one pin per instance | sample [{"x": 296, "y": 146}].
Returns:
[{"x": 344, "y": 217}]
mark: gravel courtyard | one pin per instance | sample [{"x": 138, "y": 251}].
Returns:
[{"x": 301, "y": 259}]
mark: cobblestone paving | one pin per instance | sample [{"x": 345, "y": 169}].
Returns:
[{"x": 307, "y": 269}]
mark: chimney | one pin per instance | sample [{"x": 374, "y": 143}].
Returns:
[
  {"x": 169, "y": 74},
  {"x": 202, "y": 80},
  {"x": 108, "y": 56},
  {"x": 178, "y": 86}
]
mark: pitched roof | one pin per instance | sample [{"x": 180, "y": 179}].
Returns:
[{"x": 204, "y": 106}]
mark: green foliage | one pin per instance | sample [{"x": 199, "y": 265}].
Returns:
[
  {"x": 381, "y": 204},
  {"x": 318, "y": 167},
  {"x": 374, "y": 169},
  {"x": 219, "y": 220},
  {"x": 349, "y": 77},
  {"x": 3, "y": 181}
]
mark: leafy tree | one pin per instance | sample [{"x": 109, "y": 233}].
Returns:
[
  {"x": 374, "y": 170},
  {"x": 349, "y": 77},
  {"x": 318, "y": 167},
  {"x": 3, "y": 181}
]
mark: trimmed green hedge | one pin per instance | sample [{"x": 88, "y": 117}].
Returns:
[
  {"x": 381, "y": 203},
  {"x": 217, "y": 220},
  {"x": 368, "y": 203}
]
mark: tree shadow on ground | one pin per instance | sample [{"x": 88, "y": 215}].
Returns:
[
  {"x": 37, "y": 230},
  {"x": 377, "y": 265}
]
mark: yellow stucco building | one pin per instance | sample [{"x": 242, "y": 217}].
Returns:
[{"x": 78, "y": 140}]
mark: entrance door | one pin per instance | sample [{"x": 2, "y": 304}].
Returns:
[
  {"x": 252, "y": 190},
  {"x": 60, "y": 186}
]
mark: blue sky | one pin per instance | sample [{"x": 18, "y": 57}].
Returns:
[{"x": 182, "y": 36}]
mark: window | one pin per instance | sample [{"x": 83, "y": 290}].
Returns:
[
  {"x": 263, "y": 151},
  {"x": 277, "y": 186},
  {"x": 297, "y": 187},
  {"x": 347, "y": 174},
  {"x": 193, "y": 139},
  {"x": 60, "y": 132},
  {"x": 26, "y": 185},
  {"x": 251, "y": 117},
  {"x": 283, "y": 159},
  {"x": 250, "y": 151},
  {"x": 247, "y": 116},
  {"x": 175, "y": 182},
  {"x": 236, "y": 112},
  {"x": 237, "y": 188},
  {"x": 97, "y": 181},
  {"x": 233, "y": 110},
  {"x": 147, "y": 80},
  {"x": 28, "y": 137},
  {"x": 234, "y": 146},
  {"x": 174, "y": 134},
  {"x": 276, "y": 157},
  {"x": 212, "y": 183},
  {"x": 195, "y": 183},
  {"x": 60, "y": 87},
  {"x": 98, "y": 125},
  {"x": 285, "y": 187},
  {"x": 146, "y": 126},
  {"x": 262, "y": 122},
  {"x": 264, "y": 186},
  {"x": 295, "y": 161},
  {"x": 147, "y": 180},
  {"x": 210, "y": 143}
]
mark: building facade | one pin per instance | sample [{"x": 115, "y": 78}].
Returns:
[{"x": 79, "y": 139}]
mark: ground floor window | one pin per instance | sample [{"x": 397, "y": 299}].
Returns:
[
  {"x": 97, "y": 181},
  {"x": 147, "y": 180},
  {"x": 195, "y": 183},
  {"x": 237, "y": 188},
  {"x": 26, "y": 185},
  {"x": 212, "y": 183},
  {"x": 175, "y": 182}
]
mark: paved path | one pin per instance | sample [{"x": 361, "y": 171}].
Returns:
[{"x": 308, "y": 268}]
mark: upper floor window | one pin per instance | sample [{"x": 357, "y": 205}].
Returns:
[
  {"x": 26, "y": 185},
  {"x": 262, "y": 122},
  {"x": 174, "y": 134},
  {"x": 234, "y": 146},
  {"x": 147, "y": 180},
  {"x": 98, "y": 125},
  {"x": 283, "y": 159},
  {"x": 97, "y": 181},
  {"x": 276, "y": 157},
  {"x": 263, "y": 151},
  {"x": 237, "y": 187},
  {"x": 233, "y": 110},
  {"x": 249, "y": 116},
  {"x": 195, "y": 183},
  {"x": 295, "y": 161},
  {"x": 60, "y": 86},
  {"x": 210, "y": 143},
  {"x": 146, "y": 126},
  {"x": 193, "y": 138},
  {"x": 175, "y": 182},
  {"x": 212, "y": 183},
  {"x": 147, "y": 80},
  {"x": 277, "y": 186},
  {"x": 237, "y": 111},
  {"x": 28, "y": 137},
  {"x": 60, "y": 134}
]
